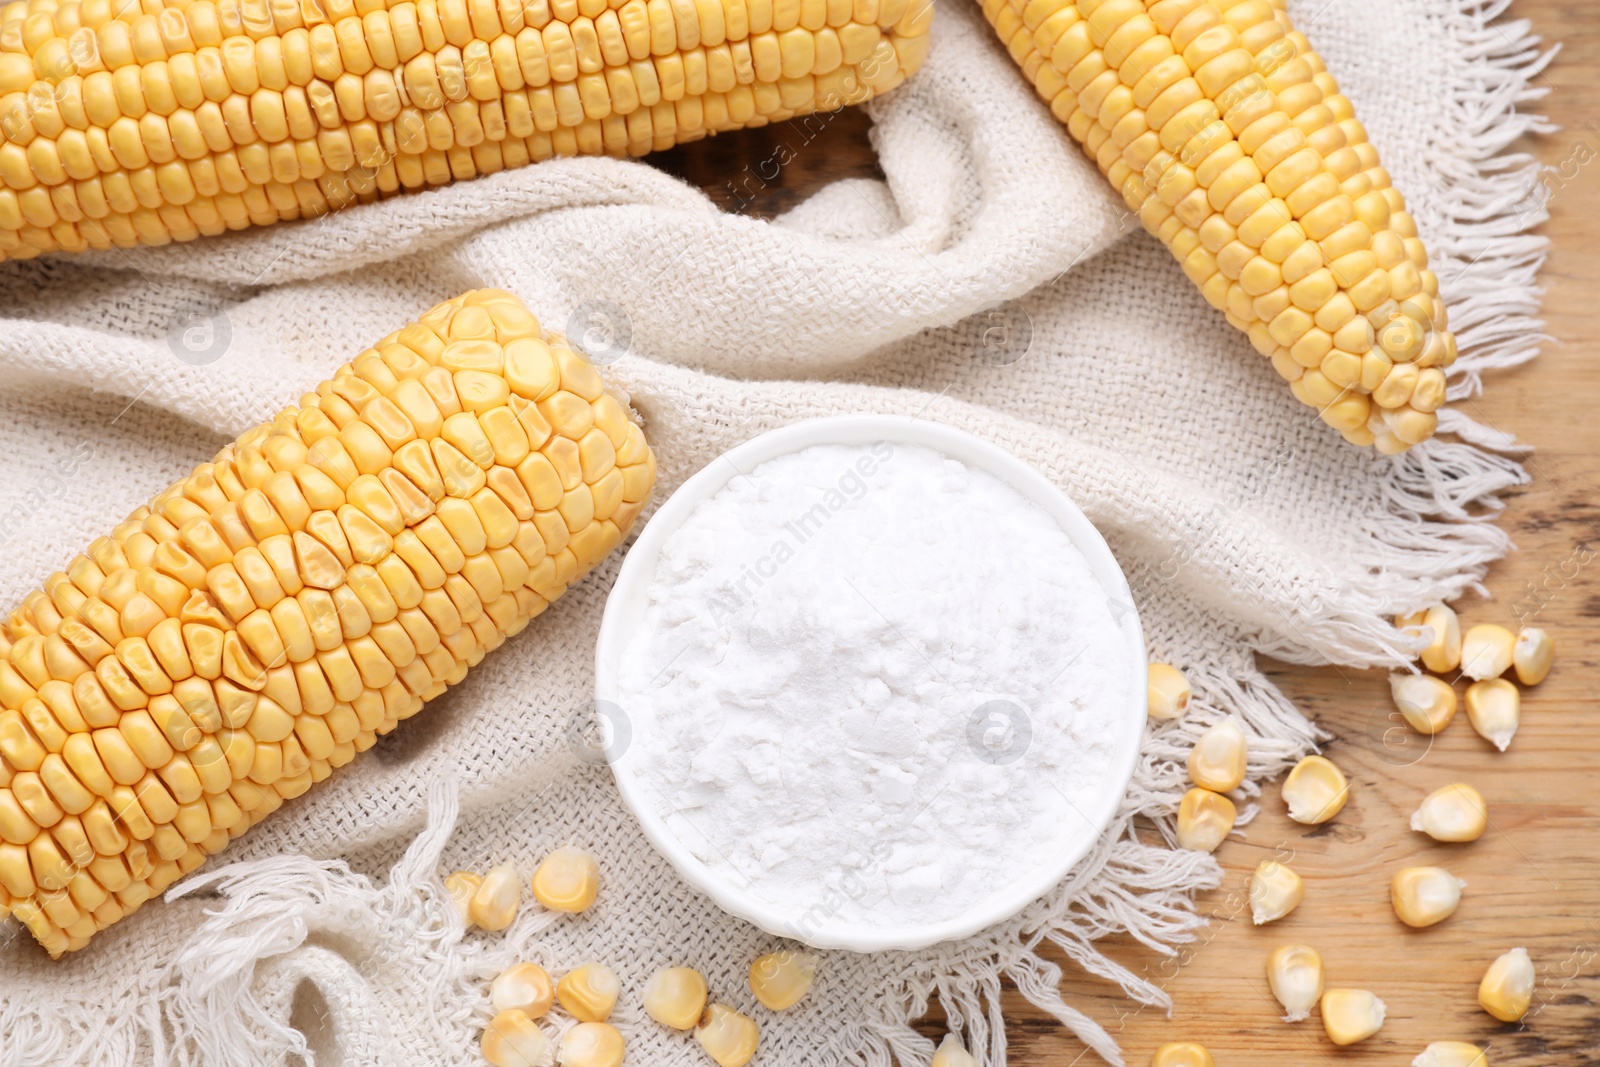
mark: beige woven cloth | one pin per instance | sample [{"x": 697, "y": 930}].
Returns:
[{"x": 993, "y": 283}]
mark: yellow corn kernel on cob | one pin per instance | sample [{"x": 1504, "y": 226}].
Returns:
[
  {"x": 269, "y": 616},
  {"x": 127, "y": 122},
  {"x": 1223, "y": 130}
]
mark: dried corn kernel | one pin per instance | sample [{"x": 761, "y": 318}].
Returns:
[
  {"x": 1532, "y": 655},
  {"x": 1168, "y": 692},
  {"x": 495, "y": 904},
  {"x": 1506, "y": 991},
  {"x": 1451, "y": 1054},
  {"x": 589, "y": 993},
  {"x": 1275, "y": 891},
  {"x": 1182, "y": 1054},
  {"x": 567, "y": 880},
  {"x": 1423, "y": 896},
  {"x": 1295, "y": 974},
  {"x": 1351, "y": 1015},
  {"x": 676, "y": 997},
  {"x": 461, "y": 886},
  {"x": 1442, "y": 654},
  {"x": 1217, "y": 761},
  {"x": 1428, "y": 703},
  {"x": 1452, "y": 813},
  {"x": 591, "y": 1045},
  {"x": 1315, "y": 791},
  {"x": 1204, "y": 820},
  {"x": 952, "y": 1053},
  {"x": 1494, "y": 708},
  {"x": 780, "y": 979},
  {"x": 727, "y": 1036},
  {"x": 268, "y": 617},
  {"x": 524, "y": 987},
  {"x": 514, "y": 1040},
  {"x": 1486, "y": 651}
]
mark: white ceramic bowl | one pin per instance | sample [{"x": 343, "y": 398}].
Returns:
[{"x": 626, "y": 605}]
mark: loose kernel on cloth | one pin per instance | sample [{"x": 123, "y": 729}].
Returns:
[
  {"x": 525, "y": 987},
  {"x": 952, "y": 1053},
  {"x": 567, "y": 880},
  {"x": 1204, "y": 819},
  {"x": 268, "y": 617},
  {"x": 727, "y": 1036},
  {"x": 780, "y": 979},
  {"x": 1217, "y": 761},
  {"x": 589, "y": 993},
  {"x": 676, "y": 997},
  {"x": 1168, "y": 692}
]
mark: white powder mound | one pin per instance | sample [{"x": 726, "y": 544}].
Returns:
[{"x": 873, "y": 684}]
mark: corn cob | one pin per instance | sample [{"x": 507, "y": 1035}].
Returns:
[
  {"x": 127, "y": 122},
  {"x": 269, "y": 616},
  {"x": 1224, "y": 132}
]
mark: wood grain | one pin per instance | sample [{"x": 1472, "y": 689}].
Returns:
[{"x": 1534, "y": 879}]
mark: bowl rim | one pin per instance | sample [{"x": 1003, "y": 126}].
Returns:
[{"x": 624, "y": 609}]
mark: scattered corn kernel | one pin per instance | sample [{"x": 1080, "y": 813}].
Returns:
[
  {"x": 1506, "y": 991},
  {"x": 1168, "y": 692},
  {"x": 567, "y": 880},
  {"x": 727, "y": 1036},
  {"x": 1428, "y": 703},
  {"x": 1217, "y": 761},
  {"x": 1423, "y": 896},
  {"x": 494, "y": 905},
  {"x": 1275, "y": 891},
  {"x": 1443, "y": 651},
  {"x": 779, "y": 979},
  {"x": 1351, "y": 1015},
  {"x": 1532, "y": 655},
  {"x": 461, "y": 886},
  {"x": 1315, "y": 791},
  {"x": 1453, "y": 813},
  {"x": 1494, "y": 708},
  {"x": 1295, "y": 974},
  {"x": 1204, "y": 819},
  {"x": 526, "y": 988},
  {"x": 1486, "y": 651},
  {"x": 589, "y": 993},
  {"x": 675, "y": 997},
  {"x": 1451, "y": 1054},
  {"x": 1182, "y": 1054},
  {"x": 514, "y": 1040},
  {"x": 952, "y": 1053},
  {"x": 591, "y": 1045}
]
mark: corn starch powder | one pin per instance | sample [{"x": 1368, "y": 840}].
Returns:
[{"x": 873, "y": 684}]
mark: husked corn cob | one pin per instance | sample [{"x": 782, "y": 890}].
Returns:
[
  {"x": 270, "y": 615},
  {"x": 1223, "y": 130},
  {"x": 127, "y": 122}
]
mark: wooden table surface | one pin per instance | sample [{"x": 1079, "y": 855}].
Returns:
[{"x": 1534, "y": 879}]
